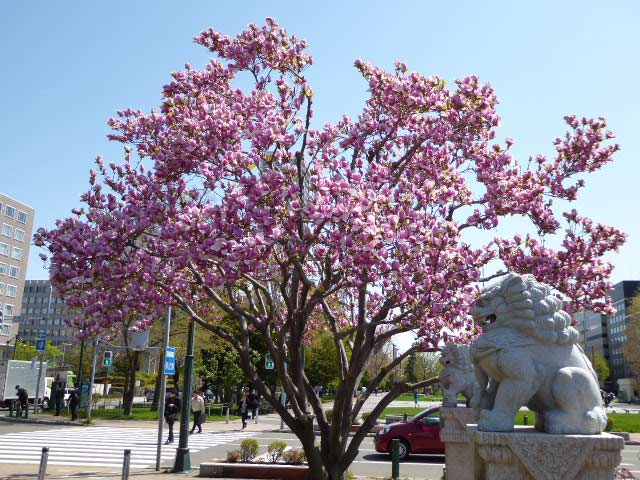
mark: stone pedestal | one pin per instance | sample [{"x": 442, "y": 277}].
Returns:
[
  {"x": 459, "y": 449},
  {"x": 526, "y": 454}
]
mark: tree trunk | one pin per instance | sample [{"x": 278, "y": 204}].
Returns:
[
  {"x": 325, "y": 464},
  {"x": 130, "y": 383}
]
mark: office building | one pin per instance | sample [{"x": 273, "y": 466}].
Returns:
[
  {"x": 16, "y": 228},
  {"x": 606, "y": 334},
  {"x": 44, "y": 312}
]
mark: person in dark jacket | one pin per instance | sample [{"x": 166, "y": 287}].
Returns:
[
  {"x": 23, "y": 402},
  {"x": 74, "y": 401},
  {"x": 59, "y": 397},
  {"x": 243, "y": 406},
  {"x": 171, "y": 413},
  {"x": 254, "y": 403}
]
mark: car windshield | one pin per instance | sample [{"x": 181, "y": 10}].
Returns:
[{"x": 434, "y": 413}]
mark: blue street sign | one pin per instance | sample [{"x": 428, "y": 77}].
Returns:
[
  {"x": 170, "y": 361},
  {"x": 41, "y": 342}
]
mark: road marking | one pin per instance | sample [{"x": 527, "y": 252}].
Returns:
[{"x": 101, "y": 446}]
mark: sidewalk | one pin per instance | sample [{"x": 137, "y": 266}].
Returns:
[
  {"x": 29, "y": 472},
  {"x": 265, "y": 422}
]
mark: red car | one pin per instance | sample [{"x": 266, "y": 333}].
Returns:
[{"x": 421, "y": 434}]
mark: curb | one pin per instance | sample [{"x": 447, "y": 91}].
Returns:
[{"x": 40, "y": 422}]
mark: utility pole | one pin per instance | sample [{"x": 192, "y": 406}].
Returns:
[
  {"x": 395, "y": 368},
  {"x": 46, "y": 321},
  {"x": 163, "y": 386},
  {"x": 183, "y": 460}
]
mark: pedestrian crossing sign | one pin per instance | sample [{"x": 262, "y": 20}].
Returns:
[
  {"x": 170, "y": 361},
  {"x": 41, "y": 342},
  {"x": 268, "y": 361}
]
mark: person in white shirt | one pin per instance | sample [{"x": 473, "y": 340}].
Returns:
[{"x": 197, "y": 407}]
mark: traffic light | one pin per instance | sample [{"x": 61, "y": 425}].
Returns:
[{"x": 108, "y": 355}]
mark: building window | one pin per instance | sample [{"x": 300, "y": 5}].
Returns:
[
  {"x": 4, "y": 249},
  {"x": 22, "y": 216},
  {"x": 3, "y": 268},
  {"x": 7, "y": 230},
  {"x": 12, "y": 291},
  {"x": 1, "y": 288},
  {"x": 16, "y": 253},
  {"x": 8, "y": 310},
  {"x": 9, "y": 211},
  {"x": 14, "y": 271},
  {"x": 20, "y": 235}
]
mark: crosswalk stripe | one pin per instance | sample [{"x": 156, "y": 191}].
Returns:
[{"x": 101, "y": 446}]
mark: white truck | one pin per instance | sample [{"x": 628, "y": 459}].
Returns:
[{"x": 25, "y": 374}]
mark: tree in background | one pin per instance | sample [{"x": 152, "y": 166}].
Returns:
[
  {"x": 631, "y": 347},
  {"x": 321, "y": 363},
  {"x": 410, "y": 368},
  {"x": 231, "y": 206},
  {"x": 601, "y": 367},
  {"x": 219, "y": 365},
  {"x": 427, "y": 365},
  {"x": 27, "y": 351}
]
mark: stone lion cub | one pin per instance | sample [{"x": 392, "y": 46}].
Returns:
[
  {"x": 457, "y": 375},
  {"x": 529, "y": 355}
]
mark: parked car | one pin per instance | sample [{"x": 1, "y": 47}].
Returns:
[{"x": 420, "y": 434}]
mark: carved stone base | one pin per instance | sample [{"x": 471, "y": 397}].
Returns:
[
  {"x": 529, "y": 455},
  {"x": 459, "y": 449}
]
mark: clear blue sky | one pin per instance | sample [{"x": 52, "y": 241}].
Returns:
[{"x": 68, "y": 66}]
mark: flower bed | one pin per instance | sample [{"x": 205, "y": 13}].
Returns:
[{"x": 254, "y": 470}]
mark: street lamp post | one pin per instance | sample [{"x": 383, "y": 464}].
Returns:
[{"x": 183, "y": 460}]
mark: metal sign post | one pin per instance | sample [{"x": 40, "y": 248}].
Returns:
[
  {"x": 41, "y": 346},
  {"x": 163, "y": 386}
]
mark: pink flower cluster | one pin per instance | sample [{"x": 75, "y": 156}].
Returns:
[{"x": 249, "y": 210}]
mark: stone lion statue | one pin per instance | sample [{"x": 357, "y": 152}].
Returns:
[
  {"x": 457, "y": 376},
  {"x": 529, "y": 355}
]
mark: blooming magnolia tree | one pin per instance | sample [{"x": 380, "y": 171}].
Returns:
[{"x": 252, "y": 221}]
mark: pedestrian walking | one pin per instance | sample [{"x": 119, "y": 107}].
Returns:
[
  {"x": 244, "y": 408},
  {"x": 416, "y": 397},
  {"x": 74, "y": 402},
  {"x": 59, "y": 399},
  {"x": 171, "y": 412},
  {"x": 197, "y": 407},
  {"x": 23, "y": 402},
  {"x": 254, "y": 403}
]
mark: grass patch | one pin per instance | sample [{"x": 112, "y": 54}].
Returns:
[
  {"x": 622, "y": 422},
  {"x": 408, "y": 397},
  {"x": 139, "y": 413},
  {"x": 410, "y": 411},
  {"x": 625, "y": 422}
]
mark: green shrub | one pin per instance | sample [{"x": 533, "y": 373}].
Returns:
[
  {"x": 609, "y": 424},
  {"x": 294, "y": 456},
  {"x": 275, "y": 450},
  {"x": 365, "y": 415},
  {"x": 248, "y": 449},
  {"x": 233, "y": 456}
]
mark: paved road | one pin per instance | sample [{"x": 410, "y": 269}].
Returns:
[{"x": 83, "y": 450}]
